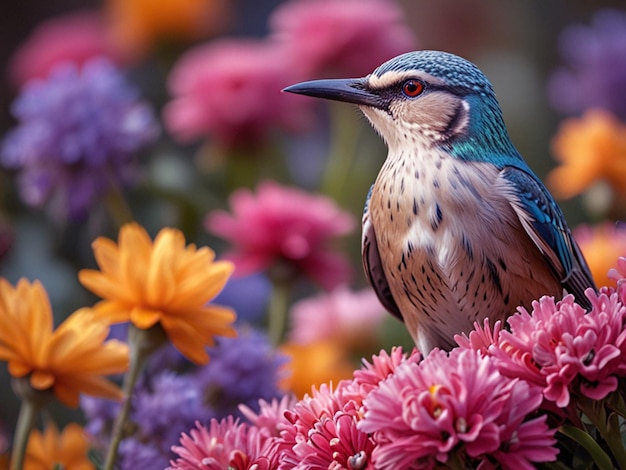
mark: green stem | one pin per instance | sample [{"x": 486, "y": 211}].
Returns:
[
  {"x": 608, "y": 427},
  {"x": 117, "y": 207},
  {"x": 342, "y": 151},
  {"x": 591, "y": 446},
  {"x": 278, "y": 309},
  {"x": 142, "y": 343},
  {"x": 25, "y": 422}
]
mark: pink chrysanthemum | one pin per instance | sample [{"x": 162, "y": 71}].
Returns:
[
  {"x": 271, "y": 415},
  {"x": 458, "y": 404},
  {"x": 618, "y": 274},
  {"x": 480, "y": 338},
  {"x": 335, "y": 444},
  {"x": 323, "y": 404},
  {"x": 230, "y": 91},
  {"x": 564, "y": 349},
  {"x": 382, "y": 366},
  {"x": 224, "y": 444},
  {"x": 71, "y": 38},
  {"x": 285, "y": 227},
  {"x": 328, "y": 37},
  {"x": 352, "y": 318}
]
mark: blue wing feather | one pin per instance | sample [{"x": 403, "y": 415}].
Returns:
[{"x": 545, "y": 224}]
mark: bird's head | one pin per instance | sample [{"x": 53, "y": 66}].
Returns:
[{"x": 426, "y": 98}]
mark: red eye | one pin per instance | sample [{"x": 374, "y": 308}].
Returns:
[{"x": 412, "y": 88}]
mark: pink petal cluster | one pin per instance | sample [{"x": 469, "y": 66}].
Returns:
[
  {"x": 286, "y": 228},
  {"x": 563, "y": 349},
  {"x": 230, "y": 90},
  {"x": 455, "y": 407},
  {"x": 618, "y": 274},
  {"x": 323, "y": 432},
  {"x": 341, "y": 37},
  {"x": 351, "y": 317},
  {"x": 71, "y": 38},
  {"x": 224, "y": 444}
]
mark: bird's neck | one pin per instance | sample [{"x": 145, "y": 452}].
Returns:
[{"x": 486, "y": 138}]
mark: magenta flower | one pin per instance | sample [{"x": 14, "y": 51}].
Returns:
[
  {"x": 382, "y": 366},
  {"x": 230, "y": 91},
  {"x": 71, "y": 38},
  {"x": 480, "y": 338},
  {"x": 618, "y": 274},
  {"x": 458, "y": 404},
  {"x": 335, "y": 444},
  {"x": 323, "y": 430},
  {"x": 329, "y": 37},
  {"x": 224, "y": 444},
  {"x": 310, "y": 439},
  {"x": 285, "y": 227},
  {"x": 271, "y": 415},
  {"x": 564, "y": 349},
  {"x": 352, "y": 318}
]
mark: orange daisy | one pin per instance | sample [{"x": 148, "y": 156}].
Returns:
[
  {"x": 138, "y": 25},
  {"x": 314, "y": 364},
  {"x": 69, "y": 360},
  {"x": 602, "y": 245},
  {"x": 50, "y": 450},
  {"x": 164, "y": 283},
  {"x": 590, "y": 148}
]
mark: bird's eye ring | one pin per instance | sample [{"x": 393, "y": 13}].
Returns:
[{"x": 412, "y": 88}]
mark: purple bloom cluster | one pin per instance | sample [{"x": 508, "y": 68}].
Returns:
[
  {"x": 77, "y": 133},
  {"x": 595, "y": 70},
  {"x": 167, "y": 402}
]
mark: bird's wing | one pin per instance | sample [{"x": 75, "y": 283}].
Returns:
[
  {"x": 544, "y": 223},
  {"x": 373, "y": 266}
]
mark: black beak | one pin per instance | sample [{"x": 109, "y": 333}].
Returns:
[{"x": 349, "y": 90}]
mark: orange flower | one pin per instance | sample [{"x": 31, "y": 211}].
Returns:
[
  {"x": 315, "y": 364},
  {"x": 137, "y": 25},
  {"x": 590, "y": 148},
  {"x": 601, "y": 245},
  {"x": 163, "y": 282},
  {"x": 70, "y": 360},
  {"x": 50, "y": 450}
]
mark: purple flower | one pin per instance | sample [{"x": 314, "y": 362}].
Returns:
[
  {"x": 167, "y": 403},
  {"x": 595, "y": 74},
  {"x": 242, "y": 370},
  {"x": 77, "y": 134}
]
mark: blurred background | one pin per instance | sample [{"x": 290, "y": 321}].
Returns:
[{"x": 181, "y": 173}]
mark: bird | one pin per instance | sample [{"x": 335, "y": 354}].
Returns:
[{"x": 456, "y": 227}]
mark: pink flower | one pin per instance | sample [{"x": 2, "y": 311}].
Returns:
[
  {"x": 564, "y": 349},
  {"x": 352, "y": 318},
  {"x": 230, "y": 91},
  {"x": 481, "y": 338},
  {"x": 618, "y": 274},
  {"x": 341, "y": 38},
  {"x": 368, "y": 377},
  {"x": 455, "y": 404},
  {"x": 284, "y": 227},
  {"x": 271, "y": 415},
  {"x": 323, "y": 404},
  {"x": 335, "y": 444},
  {"x": 225, "y": 444},
  {"x": 74, "y": 37}
]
